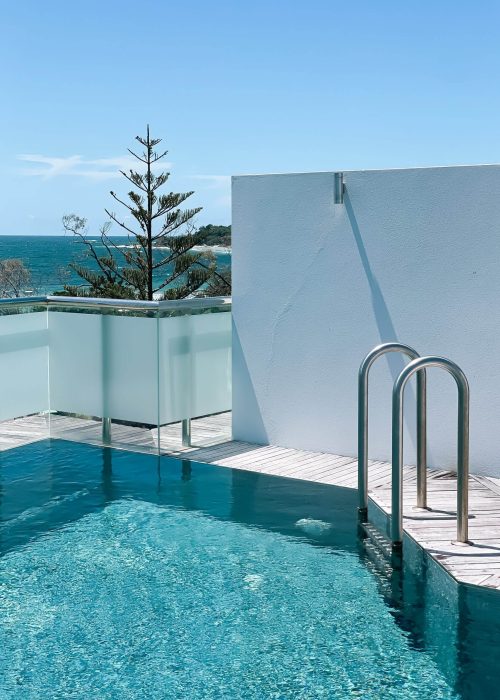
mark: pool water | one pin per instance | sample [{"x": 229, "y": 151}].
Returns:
[{"x": 127, "y": 576}]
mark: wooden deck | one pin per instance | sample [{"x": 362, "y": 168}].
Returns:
[{"x": 435, "y": 530}]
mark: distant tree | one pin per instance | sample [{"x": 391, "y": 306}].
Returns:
[
  {"x": 133, "y": 272},
  {"x": 216, "y": 235},
  {"x": 220, "y": 283},
  {"x": 14, "y": 277}
]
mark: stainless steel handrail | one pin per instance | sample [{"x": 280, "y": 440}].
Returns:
[
  {"x": 364, "y": 369},
  {"x": 462, "y": 452},
  {"x": 90, "y": 302},
  {"x": 16, "y": 301},
  {"x": 174, "y": 305}
]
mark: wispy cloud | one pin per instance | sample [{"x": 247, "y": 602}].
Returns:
[
  {"x": 48, "y": 167},
  {"x": 214, "y": 181}
]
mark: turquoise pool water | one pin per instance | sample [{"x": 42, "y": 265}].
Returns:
[{"x": 127, "y": 576}]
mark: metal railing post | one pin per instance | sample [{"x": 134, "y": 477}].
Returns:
[
  {"x": 106, "y": 431},
  {"x": 462, "y": 445},
  {"x": 363, "y": 425},
  {"x": 186, "y": 432}
]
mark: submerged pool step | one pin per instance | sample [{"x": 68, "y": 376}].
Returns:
[
  {"x": 377, "y": 538},
  {"x": 377, "y": 547}
]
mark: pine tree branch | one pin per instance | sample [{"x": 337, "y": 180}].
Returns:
[
  {"x": 170, "y": 203},
  {"x": 178, "y": 272},
  {"x": 178, "y": 254},
  {"x": 136, "y": 156},
  {"x": 168, "y": 281},
  {"x": 214, "y": 272},
  {"x": 157, "y": 157},
  {"x": 172, "y": 223},
  {"x": 134, "y": 182},
  {"x": 115, "y": 196},
  {"x": 103, "y": 266},
  {"x": 120, "y": 223}
]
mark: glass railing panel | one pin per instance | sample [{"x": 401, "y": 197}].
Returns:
[
  {"x": 104, "y": 364},
  {"x": 23, "y": 357},
  {"x": 76, "y": 361},
  {"x": 130, "y": 371},
  {"x": 194, "y": 359}
]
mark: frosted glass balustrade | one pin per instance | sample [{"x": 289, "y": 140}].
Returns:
[
  {"x": 104, "y": 365},
  {"x": 76, "y": 363},
  {"x": 23, "y": 360},
  {"x": 151, "y": 363},
  {"x": 194, "y": 365},
  {"x": 130, "y": 376}
]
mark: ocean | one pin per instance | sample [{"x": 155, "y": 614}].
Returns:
[{"x": 48, "y": 258}]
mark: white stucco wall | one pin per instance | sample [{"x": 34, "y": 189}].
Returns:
[{"x": 411, "y": 255}]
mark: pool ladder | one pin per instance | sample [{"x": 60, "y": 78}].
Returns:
[{"x": 417, "y": 365}]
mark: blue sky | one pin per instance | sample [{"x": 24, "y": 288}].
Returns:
[{"x": 235, "y": 87}]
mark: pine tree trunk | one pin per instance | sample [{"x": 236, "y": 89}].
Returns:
[{"x": 149, "y": 223}]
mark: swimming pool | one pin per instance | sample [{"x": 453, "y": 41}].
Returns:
[{"x": 127, "y": 575}]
